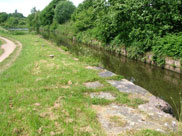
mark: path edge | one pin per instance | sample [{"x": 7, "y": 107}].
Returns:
[{"x": 12, "y": 58}]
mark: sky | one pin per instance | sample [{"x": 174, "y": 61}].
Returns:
[{"x": 25, "y": 6}]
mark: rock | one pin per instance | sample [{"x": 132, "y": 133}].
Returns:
[
  {"x": 131, "y": 119},
  {"x": 93, "y": 85},
  {"x": 177, "y": 63},
  {"x": 160, "y": 104},
  {"x": 169, "y": 61},
  {"x": 157, "y": 115},
  {"x": 127, "y": 87},
  {"x": 166, "y": 108},
  {"x": 51, "y": 56},
  {"x": 76, "y": 59},
  {"x": 102, "y": 95},
  {"x": 174, "y": 124},
  {"x": 106, "y": 74}
]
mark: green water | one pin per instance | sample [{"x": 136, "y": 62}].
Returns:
[{"x": 162, "y": 83}]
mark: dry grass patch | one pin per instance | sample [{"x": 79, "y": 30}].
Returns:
[{"x": 118, "y": 121}]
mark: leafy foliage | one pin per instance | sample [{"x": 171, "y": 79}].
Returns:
[
  {"x": 134, "y": 23},
  {"x": 47, "y": 15},
  {"x": 84, "y": 16},
  {"x": 3, "y": 17},
  {"x": 170, "y": 45},
  {"x": 64, "y": 11}
]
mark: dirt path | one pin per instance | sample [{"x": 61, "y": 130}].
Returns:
[{"x": 8, "y": 48}]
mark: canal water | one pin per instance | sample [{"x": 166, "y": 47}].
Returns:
[{"x": 162, "y": 83}]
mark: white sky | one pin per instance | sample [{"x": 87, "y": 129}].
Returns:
[{"x": 25, "y": 6}]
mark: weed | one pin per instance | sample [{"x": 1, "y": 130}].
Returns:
[{"x": 177, "y": 108}]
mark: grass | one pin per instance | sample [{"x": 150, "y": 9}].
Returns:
[
  {"x": 149, "y": 133},
  {"x": 36, "y": 79},
  {"x": 41, "y": 95},
  {"x": 178, "y": 108},
  {"x": 1, "y": 50},
  {"x": 118, "y": 121},
  {"x": 2, "y": 30}
]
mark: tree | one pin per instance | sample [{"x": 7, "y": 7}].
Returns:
[
  {"x": 64, "y": 11},
  {"x": 16, "y": 14},
  {"x": 84, "y": 16},
  {"x": 12, "y": 22},
  {"x": 3, "y": 17},
  {"x": 47, "y": 15},
  {"x": 33, "y": 10},
  {"x": 34, "y": 20}
]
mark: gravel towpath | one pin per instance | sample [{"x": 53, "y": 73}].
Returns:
[{"x": 8, "y": 48}]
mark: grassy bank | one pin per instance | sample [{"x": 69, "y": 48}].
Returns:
[
  {"x": 40, "y": 100},
  {"x": 47, "y": 95},
  {"x": 41, "y": 95}
]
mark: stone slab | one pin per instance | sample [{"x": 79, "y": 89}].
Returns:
[
  {"x": 102, "y": 95},
  {"x": 93, "y": 85},
  {"x": 131, "y": 119},
  {"x": 94, "y": 68},
  {"x": 106, "y": 74},
  {"x": 127, "y": 86}
]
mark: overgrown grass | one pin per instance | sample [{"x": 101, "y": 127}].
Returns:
[{"x": 41, "y": 95}]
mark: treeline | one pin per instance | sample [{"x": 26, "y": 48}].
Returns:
[
  {"x": 12, "y": 20},
  {"x": 57, "y": 12},
  {"x": 138, "y": 25}
]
